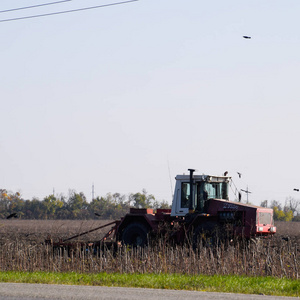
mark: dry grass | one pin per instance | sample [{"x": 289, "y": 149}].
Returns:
[
  {"x": 22, "y": 250},
  {"x": 291, "y": 229},
  {"x": 261, "y": 259}
]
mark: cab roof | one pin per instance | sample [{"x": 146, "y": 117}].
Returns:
[{"x": 206, "y": 178}]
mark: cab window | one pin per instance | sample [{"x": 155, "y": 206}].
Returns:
[{"x": 185, "y": 194}]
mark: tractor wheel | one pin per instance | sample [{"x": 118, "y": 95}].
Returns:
[
  {"x": 135, "y": 234},
  {"x": 206, "y": 235}
]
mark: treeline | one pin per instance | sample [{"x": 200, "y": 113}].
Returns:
[
  {"x": 75, "y": 206},
  {"x": 289, "y": 212},
  {"x": 111, "y": 206}
]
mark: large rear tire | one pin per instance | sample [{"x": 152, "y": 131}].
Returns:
[
  {"x": 135, "y": 235},
  {"x": 206, "y": 235}
]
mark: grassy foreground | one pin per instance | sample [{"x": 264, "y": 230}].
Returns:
[{"x": 215, "y": 283}]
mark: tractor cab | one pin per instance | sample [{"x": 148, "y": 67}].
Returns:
[{"x": 192, "y": 192}]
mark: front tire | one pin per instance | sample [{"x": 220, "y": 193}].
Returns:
[{"x": 135, "y": 235}]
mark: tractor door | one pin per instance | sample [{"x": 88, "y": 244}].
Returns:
[{"x": 180, "y": 206}]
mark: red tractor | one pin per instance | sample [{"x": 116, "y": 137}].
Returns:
[{"x": 201, "y": 210}]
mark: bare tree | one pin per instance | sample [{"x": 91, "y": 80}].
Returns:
[
  {"x": 264, "y": 203},
  {"x": 275, "y": 203},
  {"x": 292, "y": 204}
]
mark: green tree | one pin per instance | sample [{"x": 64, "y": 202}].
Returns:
[
  {"x": 51, "y": 205},
  {"x": 142, "y": 200},
  {"x": 4, "y": 203},
  {"x": 34, "y": 209},
  {"x": 77, "y": 205},
  {"x": 113, "y": 206},
  {"x": 164, "y": 204},
  {"x": 280, "y": 215},
  {"x": 289, "y": 215},
  {"x": 10, "y": 203}
]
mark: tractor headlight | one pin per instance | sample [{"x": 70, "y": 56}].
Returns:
[
  {"x": 272, "y": 229},
  {"x": 260, "y": 228}
]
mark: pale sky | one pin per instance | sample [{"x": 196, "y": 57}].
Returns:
[{"x": 120, "y": 95}]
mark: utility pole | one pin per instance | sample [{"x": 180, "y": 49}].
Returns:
[{"x": 247, "y": 192}]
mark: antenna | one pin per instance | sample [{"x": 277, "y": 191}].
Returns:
[
  {"x": 170, "y": 181},
  {"x": 93, "y": 192}
]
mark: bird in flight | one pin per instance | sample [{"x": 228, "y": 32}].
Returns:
[
  {"x": 240, "y": 174},
  {"x": 297, "y": 190},
  {"x": 246, "y": 37},
  {"x": 13, "y": 215}
]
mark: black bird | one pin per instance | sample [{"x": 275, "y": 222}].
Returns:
[
  {"x": 240, "y": 174},
  {"x": 246, "y": 37},
  {"x": 13, "y": 215},
  {"x": 225, "y": 173},
  {"x": 297, "y": 190},
  {"x": 98, "y": 215}
]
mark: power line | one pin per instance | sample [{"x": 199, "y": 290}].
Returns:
[
  {"x": 33, "y": 6},
  {"x": 66, "y": 11}
]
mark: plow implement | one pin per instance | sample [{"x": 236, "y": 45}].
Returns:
[{"x": 70, "y": 245}]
